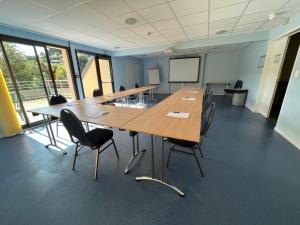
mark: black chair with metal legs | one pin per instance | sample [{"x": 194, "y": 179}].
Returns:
[
  {"x": 207, "y": 118},
  {"x": 94, "y": 139},
  {"x": 97, "y": 92},
  {"x": 207, "y": 100},
  {"x": 55, "y": 100}
]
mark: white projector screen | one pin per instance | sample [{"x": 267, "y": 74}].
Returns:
[{"x": 184, "y": 70}]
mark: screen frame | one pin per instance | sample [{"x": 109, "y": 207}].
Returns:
[{"x": 189, "y": 57}]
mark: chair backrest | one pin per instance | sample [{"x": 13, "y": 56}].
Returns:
[
  {"x": 238, "y": 84},
  {"x": 122, "y": 88},
  {"x": 97, "y": 92},
  {"x": 207, "y": 100},
  {"x": 73, "y": 126},
  {"x": 57, "y": 99},
  {"x": 136, "y": 85},
  {"x": 207, "y": 118}
]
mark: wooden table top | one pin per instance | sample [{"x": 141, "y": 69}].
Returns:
[
  {"x": 121, "y": 94},
  {"x": 115, "y": 116},
  {"x": 154, "y": 121}
]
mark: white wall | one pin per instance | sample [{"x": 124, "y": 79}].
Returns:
[
  {"x": 125, "y": 72},
  {"x": 248, "y": 71},
  {"x": 218, "y": 67}
]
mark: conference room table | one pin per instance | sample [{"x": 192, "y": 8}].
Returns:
[{"x": 155, "y": 122}]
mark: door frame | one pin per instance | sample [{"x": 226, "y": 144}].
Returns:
[
  {"x": 34, "y": 44},
  {"x": 97, "y": 56}
]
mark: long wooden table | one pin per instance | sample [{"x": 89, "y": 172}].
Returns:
[
  {"x": 155, "y": 122},
  {"x": 121, "y": 94}
]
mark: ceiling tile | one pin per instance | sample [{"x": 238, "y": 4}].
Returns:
[
  {"x": 270, "y": 24},
  {"x": 175, "y": 31},
  {"x": 262, "y": 5},
  {"x": 143, "y": 30},
  {"x": 141, "y": 4},
  {"x": 196, "y": 36},
  {"x": 43, "y": 26},
  {"x": 227, "y": 12},
  {"x": 186, "y": 7},
  {"x": 156, "y": 13},
  {"x": 195, "y": 18},
  {"x": 19, "y": 12},
  {"x": 58, "y": 5},
  {"x": 214, "y": 4},
  {"x": 166, "y": 24},
  {"x": 109, "y": 7},
  {"x": 256, "y": 17},
  {"x": 222, "y": 24},
  {"x": 197, "y": 28},
  {"x": 248, "y": 27}
]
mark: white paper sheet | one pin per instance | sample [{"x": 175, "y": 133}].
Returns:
[
  {"x": 183, "y": 115},
  {"x": 188, "y": 98}
]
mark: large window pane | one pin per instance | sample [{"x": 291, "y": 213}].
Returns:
[
  {"x": 88, "y": 73},
  {"x": 28, "y": 77},
  {"x": 61, "y": 71},
  {"x": 9, "y": 83},
  {"x": 106, "y": 76}
]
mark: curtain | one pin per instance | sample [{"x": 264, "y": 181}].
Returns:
[{"x": 9, "y": 123}]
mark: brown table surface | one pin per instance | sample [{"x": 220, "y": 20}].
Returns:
[
  {"x": 115, "y": 116},
  {"x": 155, "y": 122},
  {"x": 121, "y": 94}
]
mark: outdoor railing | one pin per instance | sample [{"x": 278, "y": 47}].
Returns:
[{"x": 30, "y": 90}]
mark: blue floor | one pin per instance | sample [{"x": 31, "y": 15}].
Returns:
[{"x": 251, "y": 177}]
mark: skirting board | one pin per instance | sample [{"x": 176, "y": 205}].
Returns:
[
  {"x": 250, "y": 108},
  {"x": 289, "y": 139}
]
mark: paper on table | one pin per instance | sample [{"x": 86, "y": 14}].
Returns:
[
  {"x": 183, "y": 115},
  {"x": 189, "y": 98},
  {"x": 96, "y": 114}
]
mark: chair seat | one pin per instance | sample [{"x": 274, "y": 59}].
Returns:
[
  {"x": 98, "y": 137},
  {"x": 182, "y": 143}
]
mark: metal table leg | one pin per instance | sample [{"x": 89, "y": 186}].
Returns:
[
  {"x": 161, "y": 180},
  {"x": 135, "y": 153},
  {"x": 47, "y": 123}
]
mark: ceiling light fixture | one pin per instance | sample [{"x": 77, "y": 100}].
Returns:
[
  {"x": 219, "y": 32},
  {"x": 272, "y": 16},
  {"x": 117, "y": 47},
  {"x": 130, "y": 20}
]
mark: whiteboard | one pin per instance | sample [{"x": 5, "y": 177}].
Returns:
[
  {"x": 184, "y": 70},
  {"x": 153, "y": 76}
]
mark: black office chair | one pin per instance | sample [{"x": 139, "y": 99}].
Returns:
[
  {"x": 207, "y": 118},
  {"x": 122, "y": 88},
  {"x": 207, "y": 100},
  {"x": 97, "y": 92},
  {"x": 238, "y": 85},
  {"x": 94, "y": 139},
  {"x": 56, "y": 100}
]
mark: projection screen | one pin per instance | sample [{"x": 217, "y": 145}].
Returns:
[{"x": 184, "y": 70}]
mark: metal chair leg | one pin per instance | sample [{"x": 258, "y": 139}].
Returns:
[
  {"x": 75, "y": 156},
  {"x": 198, "y": 163},
  {"x": 169, "y": 155},
  {"x": 201, "y": 153},
  {"x": 97, "y": 162},
  {"x": 57, "y": 128},
  {"x": 115, "y": 148}
]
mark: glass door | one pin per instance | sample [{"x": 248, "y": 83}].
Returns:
[
  {"x": 106, "y": 75},
  {"x": 61, "y": 70},
  {"x": 27, "y": 80},
  {"x": 88, "y": 72},
  {"x": 33, "y": 72}
]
